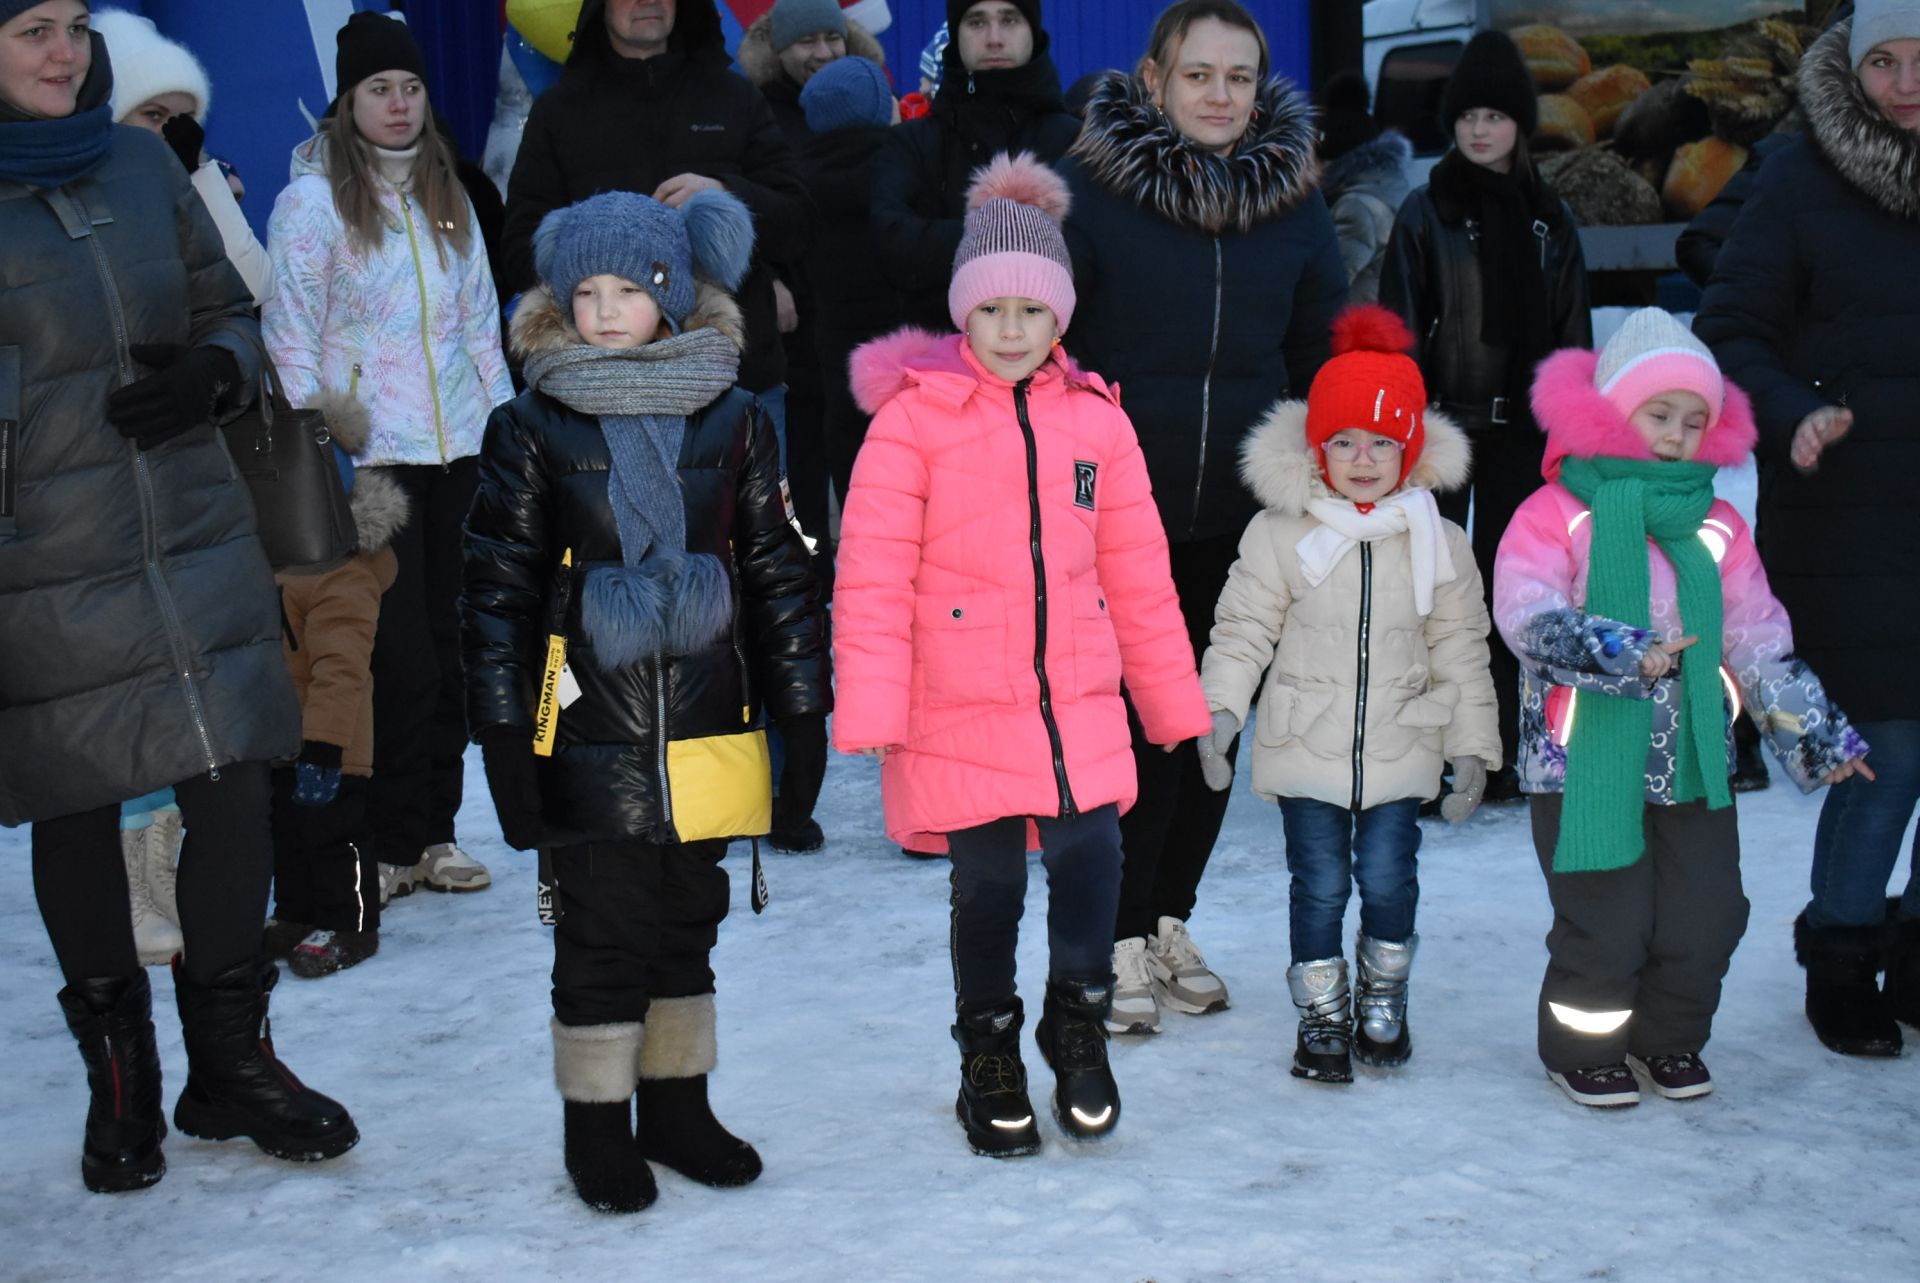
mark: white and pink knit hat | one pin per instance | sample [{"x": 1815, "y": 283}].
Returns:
[
  {"x": 1013, "y": 246},
  {"x": 1652, "y": 353}
]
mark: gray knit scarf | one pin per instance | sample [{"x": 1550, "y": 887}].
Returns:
[{"x": 664, "y": 600}]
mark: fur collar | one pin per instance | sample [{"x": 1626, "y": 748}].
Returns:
[
  {"x": 1131, "y": 149},
  {"x": 1579, "y": 421},
  {"x": 1871, "y": 152},
  {"x": 882, "y": 369},
  {"x": 1279, "y": 468},
  {"x": 540, "y": 325},
  {"x": 378, "y": 503},
  {"x": 1390, "y": 151},
  {"x": 761, "y": 65}
]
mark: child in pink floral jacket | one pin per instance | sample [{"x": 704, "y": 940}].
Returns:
[
  {"x": 1001, "y": 568},
  {"x": 1641, "y": 616}
]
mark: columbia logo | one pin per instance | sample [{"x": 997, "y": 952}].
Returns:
[{"x": 707, "y": 129}]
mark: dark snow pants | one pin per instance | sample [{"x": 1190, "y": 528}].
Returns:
[
  {"x": 1652, "y": 939},
  {"x": 637, "y": 922},
  {"x": 989, "y": 894},
  {"x": 324, "y": 872},
  {"x": 1169, "y": 834},
  {"x": 419, "y": 702},
  {"x": 226, "y": 862}
]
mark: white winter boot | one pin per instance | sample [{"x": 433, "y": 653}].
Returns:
[{"x": 156, "y": 937}]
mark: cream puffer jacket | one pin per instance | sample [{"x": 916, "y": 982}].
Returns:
[{"x": 1363, "y": 698}]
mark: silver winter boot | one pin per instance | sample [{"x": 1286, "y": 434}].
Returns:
[
  {"x": 1322, "y": 1051},
  {"x": 156, "y": 937},
  {"x": 1382, "y": 1037}
]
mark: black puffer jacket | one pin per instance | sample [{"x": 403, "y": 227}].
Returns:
[
  {"x": 543, "y": 492},
  {"x": 138, "y": 622},
  {"x": 1206, "y": 287},
  {"x": 920, "y": 177},
  {"x": 622, "y": 124},
  {"x": 1431, "y": 277},
  {"x": 1812, "y": 303}
]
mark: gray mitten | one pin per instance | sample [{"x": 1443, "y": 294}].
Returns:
[
  {"x": 1469, "y": 786},
  {"x": 1215, "y": 768}
]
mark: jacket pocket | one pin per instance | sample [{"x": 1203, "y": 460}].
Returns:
[
  {"x": 1096, "y": 650},
  {"x": 1288, "y": 713},
  {"x": 960, "y": 649},
  {"x": 10, "y": 415},
  {"x": 721, "y": 786}
]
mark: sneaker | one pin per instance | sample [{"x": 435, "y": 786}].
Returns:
[
  {"x": 1680, "y": 1077},
  {"x": 396, "y": 880},
  {"x": 445, "y": 867},
  {"x": 324, "y": 952},
  {"x": 1136, "y": 1010},
  {"x": 1603, "y": 1086},
  {"x": 1180, "y": 973}
]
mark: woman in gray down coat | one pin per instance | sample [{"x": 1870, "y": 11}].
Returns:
[{"x": 137, "y": 613}]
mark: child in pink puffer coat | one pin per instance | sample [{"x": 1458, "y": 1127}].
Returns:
[{"x": 1001, "y": 568}]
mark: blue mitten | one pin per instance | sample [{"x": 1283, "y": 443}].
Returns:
[{"x": 316, "y": 775}]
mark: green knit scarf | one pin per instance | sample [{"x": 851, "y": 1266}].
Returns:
[{"x": 1601, "y": 825}]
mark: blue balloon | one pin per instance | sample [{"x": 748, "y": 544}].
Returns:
[{"x": 538, "y": 70}]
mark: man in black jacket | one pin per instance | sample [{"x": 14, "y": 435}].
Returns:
[
  {"x": 1000, "y": 92},
  {"x": 647, "y": 104}
]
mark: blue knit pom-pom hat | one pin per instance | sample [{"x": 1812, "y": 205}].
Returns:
[{"x": 657, "y": 247}]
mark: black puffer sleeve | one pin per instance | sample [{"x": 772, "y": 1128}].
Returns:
[
  {"x": 508, "y": 568},
  {"x": 781, "y": 598}
]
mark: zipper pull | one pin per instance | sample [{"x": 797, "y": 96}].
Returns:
[{"x": 969, "y": 84}]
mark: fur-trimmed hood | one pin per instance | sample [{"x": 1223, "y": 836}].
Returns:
[
  {"x": 1579, "y": 421},
  {"x": 760, "y": 62},
  {"x": 1384, "y": 158},
  {"x": 1130, "y": 148},
  {"x": 540, "y": 324},
  {"x": 1278, "y": 466},
  {"x": 378, "y": 503},
  {"x": 882, "y": 369},
  {"x": 1873, "y": 154}
]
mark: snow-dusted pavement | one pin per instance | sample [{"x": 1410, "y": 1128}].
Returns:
[{"x": 835, "y": 1061}]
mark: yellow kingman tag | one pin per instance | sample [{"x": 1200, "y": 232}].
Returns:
[{"x": 546, "y": 720}]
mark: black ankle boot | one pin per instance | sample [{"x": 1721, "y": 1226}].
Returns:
[
  {"x": 1902, "y": 990},
  {"x": 676, "y": 1127},
  {"x": 236, "y": 1085},
  {"x": 1844, "y": 1002},
  {"x": 1073, "y": 1041},
  {"x": 112, "y": 1020},
  {"x": 607, "y": 1171},
  {"x": 992, "y": 1105}
]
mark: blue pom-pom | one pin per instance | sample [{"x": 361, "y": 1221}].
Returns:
[{"x": 720, "y": 232}]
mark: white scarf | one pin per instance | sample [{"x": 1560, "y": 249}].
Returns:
[{"x": 1342, "y": 526}]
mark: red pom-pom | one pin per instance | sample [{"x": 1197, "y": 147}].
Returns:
[
  {"x": 1368, "y": 327},
  {"x": 1021, "y": 178}
]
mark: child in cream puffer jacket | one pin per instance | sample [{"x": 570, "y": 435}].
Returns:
[{"x": 1362, "y": 608}]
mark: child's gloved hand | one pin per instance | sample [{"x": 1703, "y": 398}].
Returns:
[
  {"x": 1216, "y": 768},
  {"x": 316, "y": 773},
  {"x": 1469, "y": 786},
  {"x": 513, "y": 778},
  {"x": 794, "y": 828}
]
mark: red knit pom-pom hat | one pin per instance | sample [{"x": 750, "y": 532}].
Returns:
[{"x": 1370, "y": 385}]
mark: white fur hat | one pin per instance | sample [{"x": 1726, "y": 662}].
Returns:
[{"x": 147, "y": 64}]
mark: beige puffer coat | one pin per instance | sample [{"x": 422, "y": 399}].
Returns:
[{"x": 1353, "y": 651}]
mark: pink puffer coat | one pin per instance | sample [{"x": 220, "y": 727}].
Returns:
[{"x": 998, "y": 574}]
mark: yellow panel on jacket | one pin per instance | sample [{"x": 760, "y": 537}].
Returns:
[{"x": 721, "y": 786}]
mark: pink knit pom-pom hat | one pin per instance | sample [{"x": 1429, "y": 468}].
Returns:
[{"x": 1013, "y": 246}]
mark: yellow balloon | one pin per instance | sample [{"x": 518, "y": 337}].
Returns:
[{"x": 547, "y": 24}]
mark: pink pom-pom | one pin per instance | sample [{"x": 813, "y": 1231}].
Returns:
[
  {"x": 1368, "y": 327},
  {"x": 1021, "y": 178}
]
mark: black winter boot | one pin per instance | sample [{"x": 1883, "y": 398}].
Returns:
[
  {"x": 993, "y": 1104},
  {"x": 112, "y": 1020},
  {"x": 607, "y": 1171},
  {"x": 1902, "y": 990},
  {"x": 236, "y": 1085},
  {"x": 1844, "y": 1002},
  {"x": 1749, "y": 762},
  {"x": 677, "y": 1127},
  {"x": 1073, "y": 1041}
]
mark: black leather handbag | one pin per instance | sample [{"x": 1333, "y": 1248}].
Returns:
[{"x": 286, "y": 458}]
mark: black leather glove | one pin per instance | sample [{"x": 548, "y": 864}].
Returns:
[
  {"x": 513, "y": 777},
  {"x": 805, "y": 738},
  {"x": 178, "y": 396},
  {"x": 184, "y": 134}
]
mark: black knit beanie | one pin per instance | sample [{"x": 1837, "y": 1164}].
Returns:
[
  {"x": 1345, "y": 121},
  {"x": 957, "y": 9},
  {"x": 371, "y": 43},
  {"x": 1491, "y": 73}
]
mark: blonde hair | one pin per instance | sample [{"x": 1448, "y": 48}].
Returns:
[
  {"x": 1170, "y": 32},
  {"x": 353, "y": 173}
]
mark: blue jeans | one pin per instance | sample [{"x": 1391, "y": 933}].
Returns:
[
  {"x": 1857, "y": 843},
  {"x": 1329, "y": 848}
]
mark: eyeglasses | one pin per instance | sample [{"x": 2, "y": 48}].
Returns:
[{"x": 1346, "y": 449}]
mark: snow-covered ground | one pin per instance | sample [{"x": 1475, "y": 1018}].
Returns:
[{"x": 835, "y": 1061}]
